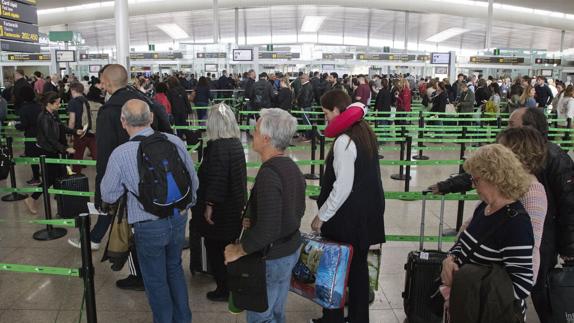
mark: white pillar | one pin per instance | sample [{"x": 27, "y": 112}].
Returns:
[
  {"x": 406, "y": 32},
  {"x": 121, "y": 17},
  {"x": 488, "y": 38}
]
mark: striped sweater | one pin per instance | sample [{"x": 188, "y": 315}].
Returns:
[{"x": 510, "y": 246}]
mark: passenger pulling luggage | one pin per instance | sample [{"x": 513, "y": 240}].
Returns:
[{"x": 423, "y": 267}]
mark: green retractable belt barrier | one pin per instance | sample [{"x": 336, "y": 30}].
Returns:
[{"x": 58, "y": 271}]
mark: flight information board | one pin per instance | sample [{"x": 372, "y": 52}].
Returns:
[
  {"x": 386, "y": 57},
  {"x": 29, "y": 57},
  {"x": 18, "y": 31},
  {"x": 14, "y": 10},
  {"x": 496, "y": 60},
  {"x": 16, "y": 46},
  {"x": 88, "y": 57},
  {"x": 166, "y": 56},
  {"x": 212, "y": 55},
  {"x": 337, "y": 55},
  {"x": 278, "y": 55}
]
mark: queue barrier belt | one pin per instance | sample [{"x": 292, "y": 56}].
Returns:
[{"x": 57, "y": 271}]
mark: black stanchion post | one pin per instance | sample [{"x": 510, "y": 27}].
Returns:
[
  {"x": 498, "y": 122},
  {"x": 200, "y": 150},
  {"x": 460, "y": 207},
  {"x": 321, "y": 155},
  {"x": 50, "y": 233},
  {"x": 12, "y": 197},
  {"x": 421, "y": 135},
  {"x": 87, "y": 270},
  {"x": 312, "y": 175},
  {"x": 408, "y": 167},
  {"x": 400, "y": 176}
]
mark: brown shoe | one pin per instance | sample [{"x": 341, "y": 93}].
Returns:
[{"x": 31, "y": 205}]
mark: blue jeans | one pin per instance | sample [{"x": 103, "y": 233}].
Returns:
[
  {"x": 159, "y": 244},
  {"x": 278, "y": 280}
]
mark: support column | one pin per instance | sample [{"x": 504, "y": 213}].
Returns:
[
  {"x": 488, "y": 38},
  {"x": 215, "y": 22},
  {"x": 406, "y": 31},
  {"x": 122, "y": 20},
  {"x": 563, "y": 34},
  {"x": 236, "y": 26}
]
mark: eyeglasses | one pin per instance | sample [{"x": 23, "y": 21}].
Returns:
[{"x": 474, "y": 181}]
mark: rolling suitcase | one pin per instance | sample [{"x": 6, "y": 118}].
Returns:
[
  {"x": 197, "y": 253},
  {"x": 561, "y": 293},
  {"x": 72, "y": 206},
  {"x": 422, "y": 269},
  {"x": 322, "y": 271}
]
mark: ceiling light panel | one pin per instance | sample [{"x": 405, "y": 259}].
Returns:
[
  {"x": 311, "y": 24},
  {"x": 446, "y": 34},
  {"x": 174, "y": 31}
]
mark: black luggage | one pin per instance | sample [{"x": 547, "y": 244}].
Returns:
[
  {"x": 197, "y": 254},
  {"x": 72, "y": 206},
  {"x": 561, "y": 294},
  {"x": 422, "y": 270}
]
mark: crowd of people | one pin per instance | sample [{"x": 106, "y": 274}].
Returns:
[{"x": 523, "y": 224}]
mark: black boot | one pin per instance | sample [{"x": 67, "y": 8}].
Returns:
[
  {"x": 131, "y": 283},
  {"x": 218, "y": 295}
]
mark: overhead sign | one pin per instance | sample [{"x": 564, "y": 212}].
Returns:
[
  {"x": 21, "y": 47},
  {"x": 18, "y": 31},
  {"x": 174, "y": 55},
  {"x": 88, "y": 57},
  {"x": 496, "y": 60},
  {"x": 278, "y": 55},
  {"x": 423, "y": 58},
  {"x": 18, "y": 11},
  {"x": 30, "y": 2},
  {"x": 65, "y": 56},
  {"x": 550, "y": 61},
  {"x": 212, "y": 55},
  {"x": 386, "y": 57},
  {"x": 188, "y": 66},
  {"x": 440, "y": 58},
  {"x": 29, "y": 57},
  {"x": 337, "y": 55}
]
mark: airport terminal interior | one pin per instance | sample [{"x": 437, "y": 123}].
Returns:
[{"x": 435, "y": 81}]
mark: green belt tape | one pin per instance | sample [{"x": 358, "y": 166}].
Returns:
[
  {"x": 437, "y": 148},
  {"x": 406, "y": 238},
  {"x": 21, "y": 190},
  {"x": 420, "y": 162},
  {"x": 431, "y": 140},
  {"x": 26, "y": 160},
  {"x": 57, "y": 222},
  {"x": 70, "y": 193},
  {"x": 24, "y": 139},
  {"x": 57, "y": 161},
  {"x": 57, "y": 271}
]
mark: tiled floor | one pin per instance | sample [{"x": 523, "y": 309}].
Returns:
[{"x": 37, "y": 298}]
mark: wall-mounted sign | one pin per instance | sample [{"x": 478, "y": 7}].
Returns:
[
  {"x": 21, "y": 47},
  {"x": 423, "y": 58},
  {"x": 30, "y": 2},
  {"x": 28, "y": 57},
  {"x": 212, "y": 55},
  {"x": 550, "y": 61},
  {"x": 337, "y": 55},
  {"x": 166, "y": 56},
  {"x": 496, "y": 60},
  {"x": 18, "y": 11},
  {"x": 186, "y": 66},
  {"x": 18, "y": 31},
  {"x": 65, "y": 56},
  {"x": 278, "y": 55},
  {"x": 386, "y": 57},
  {"x": 440, "y": 58},
  {"x": 88, "y": 57}
]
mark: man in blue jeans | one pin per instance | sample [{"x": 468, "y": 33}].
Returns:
[
  {"x": 276, "y": 207},
  {"x": 159, "y": 241}
]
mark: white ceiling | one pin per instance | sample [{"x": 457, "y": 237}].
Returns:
[{"x": 276, "y": 24}]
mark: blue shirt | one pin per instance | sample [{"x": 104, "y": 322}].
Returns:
[{"x": 122, "y": 170}]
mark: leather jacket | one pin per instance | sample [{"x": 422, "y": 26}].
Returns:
[{"x": 51, "y": 132}]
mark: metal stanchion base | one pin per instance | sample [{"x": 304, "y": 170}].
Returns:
[
  {"x": 13, "y": 197},
  {"x": 420, "y": 157},
  {"x": 314, "y": 197},
  {"x": 381, "y": 157},
  {"x": 449, "y": 233},
  {"x": 399, "y": 177},
  {"x": 46, "y": 235},
  {"x": 311, "y": 176}
]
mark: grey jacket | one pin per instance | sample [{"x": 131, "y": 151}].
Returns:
[{"x": 466, "y": 103}]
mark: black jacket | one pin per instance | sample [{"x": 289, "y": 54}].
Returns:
[
  {"x": 249, "y": 88},
  {"x": 29, "y": 113},
  {"x": 262, "y": 94},
  {"x": 95, "y": 94},
  {"x": 179, "y": 102},
  {"x": 558, "y": 180},
  {"x": 18, "y": 86},
  {"x": 543, "y": 95},
  {"x": 481, "y": 94},
  {"x": 51, "y": 133},
  {"x": 439, "y": 102},
  {"x": 49, "y": 87},
  {"x": 384, "y": 100},
  {"x": 284, "y": 99},
  {"x": 306, "y": 96},
  {"x": 223, "y": 182},
  {"x": 111, "y": 134}
]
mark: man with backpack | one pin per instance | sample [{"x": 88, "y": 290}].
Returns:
[
  {"x": 80, "y": 117},
  {"x": 157, "y": 174},
  {"x": 262, "y": 92}
]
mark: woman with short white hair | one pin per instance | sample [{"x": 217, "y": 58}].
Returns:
[{"x": 221, "y": 195}]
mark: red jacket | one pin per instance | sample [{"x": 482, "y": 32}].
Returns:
[
  {"x": 404, "y": 100},
  {"x": 161, "y": 98}
]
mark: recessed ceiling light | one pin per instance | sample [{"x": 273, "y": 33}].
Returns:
[
  {"x": 174, "y": 31},
  {"x": 446, "y": 34},
  {"x": 311, "y": 24}
]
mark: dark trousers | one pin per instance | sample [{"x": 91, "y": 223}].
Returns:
[
  {"x": 30, "y": 150},
  {"x": 548, "y": 260},
  {"x": 215, "y": 256},
  {"x": 180, "y": 119},
  {"x": 80, "y": 145},
  {"x": 358, "y": 292},
  {"x": 53, "y": 172}
]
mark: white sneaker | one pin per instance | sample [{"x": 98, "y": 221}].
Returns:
[{"x": 75, "y": 242}]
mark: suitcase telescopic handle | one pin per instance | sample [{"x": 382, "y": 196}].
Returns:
[
  {"x": 423, "y": 213},
  {"x": 441, "y": 223}
]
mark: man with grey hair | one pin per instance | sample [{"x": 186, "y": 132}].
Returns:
[
  {"x": 278, "y": 197},
  {"x": 159, "y": 259}
]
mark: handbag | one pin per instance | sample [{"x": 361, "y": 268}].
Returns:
[{"x": 450, "y": 108}]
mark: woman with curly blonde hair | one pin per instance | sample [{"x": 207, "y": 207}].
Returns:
[{"x": 500, "y": 232}]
